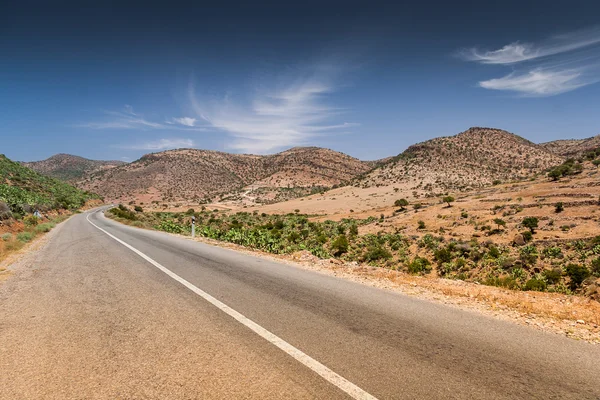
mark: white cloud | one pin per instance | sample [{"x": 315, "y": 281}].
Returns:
[
  {"x": 290, "y": 115},
  {"x": 557, "y": 65},
  {"x": 538, "y": 82},
  {"x": 186, "y": 121},
  {"x": 128, "y": 119},
  {"x": 162, "y": 144},
  {"x": 519, "y": 52}
]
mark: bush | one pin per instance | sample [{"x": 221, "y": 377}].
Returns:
[
  {"x": 25, "y": 237},
  {"x": 577, "y": 273},
  {"x": 123, "y": 212},
  {"x": 442, "y": 255},
  {"x": 527, "y": 236},
  {"x": 375, "y": 253},
  {"x": 421, "y": 225},
  {"x": 552, "y": 276},
  {"x": 535, "y": 284},
  {"x": 596, "y": 266},
  {"x": 191, "y": 211},
  {"x": 45, "y": 227},
  {"x": 419, "y": 265},
  {"x": 340, "y": 245},
  {"x": 138, "y": 209},
  {"x": 6, "y": 237},
  {"x": 30, "y": 220}
]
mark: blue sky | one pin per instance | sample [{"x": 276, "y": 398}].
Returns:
[{"x": 116, "y": 80}]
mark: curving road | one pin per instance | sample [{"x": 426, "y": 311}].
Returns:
[{"x": 109, "y": 311}]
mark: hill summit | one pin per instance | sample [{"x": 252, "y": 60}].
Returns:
[
  {"x": 474, "y": 158},
  {"x": 68, "y": 167}
]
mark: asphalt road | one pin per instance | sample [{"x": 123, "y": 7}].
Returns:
[{"x": 88, "y": 317}]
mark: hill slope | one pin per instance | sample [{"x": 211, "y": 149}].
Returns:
[
  {"x": 197, "y": 175},
  {"x": 68, "y": 167},
  {"x": 23, "y": 189},
  {"x": 572, "y": 147},
  {"x": 471, "y": 159}
]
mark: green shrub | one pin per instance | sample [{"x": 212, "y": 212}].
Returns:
[
  {"x": 528, "y": 254},
  {"x": 375, "y": 253},
  {"x": 577, "y": 273},
  {"x": 420, "y": 225},
  {"x": 25, "y": 237},
  {"x": 340, "y": 245},
  {"x": 170, "y": 226},
  {"x": 537, "y": 285},
  {"x": 552, "y": 252},
  {"x": 30, "y": 220},
  {"x": 7, "y": 237},
  {"x": 552, "y": 276},
  {"x": 494, "y": 252},
  {"x": 138, "y": 209},
  {"x": 419, "y": 265},
  {"x": 442, "y": 255},
  {"x": 527, "y": 236},
  {"x": 596, "y": 266},
  {"x": 45, "y": 227}
]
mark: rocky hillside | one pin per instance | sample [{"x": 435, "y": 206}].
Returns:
[
  {"x": 572, "y": 147},
  {"x": 200, "y": 175},
  {"x": 471, "y": 159},
  {"x": 22, "y": 190},
  {"x": 68, "y": 167}
]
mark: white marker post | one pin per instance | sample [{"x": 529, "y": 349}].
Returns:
[{"x": 193, "y": 226}]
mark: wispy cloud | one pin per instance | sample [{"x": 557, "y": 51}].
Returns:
[
  {"x": 185, "y": 121},
  {"x": 162, "y": 144},
  {"x": 557, "y": 65},
  {"x": 538, "y": 82},
  {"x": 128, "y": 119},
  {"x": 290, "y": 114}
]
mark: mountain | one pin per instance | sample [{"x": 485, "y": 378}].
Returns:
[
  {"x": 68, "y": 167},
  {"x": 22, "y": 190},
  {"x": 572, "y": 147},
  {"x": 471, "y": 159},
  {"x": 197, "y": 175}
]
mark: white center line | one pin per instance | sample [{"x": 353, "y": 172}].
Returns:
[{"x": 326, "y": 373}]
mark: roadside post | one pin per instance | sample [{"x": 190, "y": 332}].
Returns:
[{"x": 193, "y": 226}]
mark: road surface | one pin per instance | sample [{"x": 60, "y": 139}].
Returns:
[{"x": 108, "y": 311}]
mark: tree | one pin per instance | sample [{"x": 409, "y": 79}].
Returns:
[
  {"x": 402, "y": 203},
  {"x": 500, "y": 222},
  {"x": 138, "y": 209},
  {"x": 559, "y": 207},
  {"x": 448, "y": 199},
  {"x": 555, "y": 174},
  {"x": 530, "y": 223}
]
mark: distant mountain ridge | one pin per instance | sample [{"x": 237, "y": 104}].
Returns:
[
  {"x": 572, "y": 147},
  {"x": 474, "y": 158},
  {"x": 191, "y": 174},
  {"x": 68, "y": 167}
]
